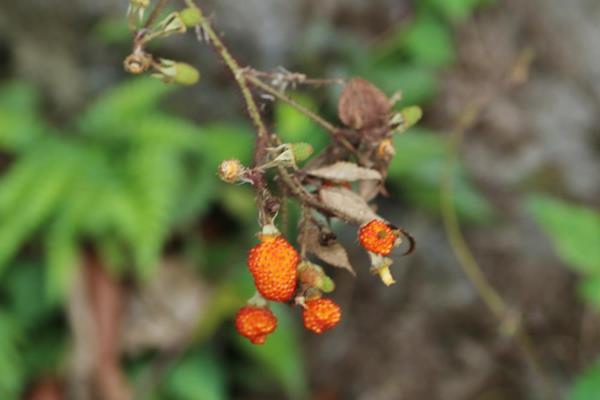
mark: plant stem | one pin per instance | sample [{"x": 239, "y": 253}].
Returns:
[
  {"x": 335, "y": 131},
  {"x": 467, "y": 261},
  {"x": 236, "y": 70},
  {"x": 155, "y": 13},
  {"x": 286, "y": 99}
]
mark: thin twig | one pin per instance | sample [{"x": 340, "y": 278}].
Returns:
[
  {"x": 155, "y": 13},
  {"x": 296, "y": 78},
  {"x": 286, "y": 99},
  {"x": 335, "y": 131},
  {"x": 467, "y": 261}
]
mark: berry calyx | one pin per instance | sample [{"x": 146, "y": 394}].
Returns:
[
  {"x": 378, "y": 237},
  {"x": 321, "y": 315},
  {"x": 255, "y": 323},
  {"x": 273, "y": 265}
]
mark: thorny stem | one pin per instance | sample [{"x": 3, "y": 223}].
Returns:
[
  {"x": 237, "y": 71},
  {"x": 286, "y": 99},
  {"x": 467, "y": 261},
  {"x": 332, "y": 129},
  {"x": 296, "y": 78}
]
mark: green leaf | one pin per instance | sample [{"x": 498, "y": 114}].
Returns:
[
  {"x": 11, "y": 368},
  {"x": 573, "y": 229},
  {"x": 418, "y": 84},
  {"x": 37, "y": 201},
  {"x": 24, "y": 285},
  {"x": 587, "y": 386},
  {"x": 199, "y": 376},
  {"x": 113, "y": 30},
  {"x": 280, "y": 355},
  {"x": 589, "y": 289},
  {"x": 294, "y": 127},
  {"x": 130, "y": 101},
  {"x": 457, "y": 10},
  {"x": 225, "y": 141},
  {"x": 418, "y": 168},
  {"x": 18, "y": 97},
  {"x": 427, "y": 42}
]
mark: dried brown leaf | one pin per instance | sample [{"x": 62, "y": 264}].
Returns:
[
  {"x": 347, "y": 203},
  {"x": 368, "y": 190},
  {"x": 362, "y": 105},
  {"x": 345, "y": 171},
  {"x": 334, "y": 253}
]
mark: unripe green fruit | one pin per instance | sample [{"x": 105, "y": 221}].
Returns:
[
  {"x": 302, "y": 151},
  {"x": 191, "y": 16},
  {"x": 411, "y": 116},
  {"x": 185, "y": 74}
]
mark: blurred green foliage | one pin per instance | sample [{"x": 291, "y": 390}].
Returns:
[
  {"x": 126, "y": 175},
  {"x": 575, "y": 233}
]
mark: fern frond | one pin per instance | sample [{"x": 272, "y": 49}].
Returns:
[
  {"x": 129, "y": 101},
  {"x": 37, "y": 200},
  {"x": 154, "y": 182}
]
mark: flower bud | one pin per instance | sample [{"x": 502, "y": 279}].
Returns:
[
  {"x": 137, "y": 63},
  {"x": 312, "y": 275},
  {"x": 178, "y": 72},
  {"x": 412, "y": 115},
  {"x": 301, "y": 151},
  {"x": 173, "y": 23},
  {"x": 380, "y": 265},
  {"x": 386, "y": 149},
  {"x": 406, "y": 118},
  {"x": 185, "y": 74},
  {"x": 231, "y": 171},
  {"x": 191, "y": 16}
]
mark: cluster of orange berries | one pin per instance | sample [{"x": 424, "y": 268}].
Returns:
[{"x": 276, "y": 268}]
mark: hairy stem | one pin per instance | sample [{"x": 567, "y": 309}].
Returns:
[
  {"x": 335, "y": 131},
  {"x": 236, "y": 70}
]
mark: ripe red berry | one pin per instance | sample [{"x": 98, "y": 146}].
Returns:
[
  {"x": 320, "y": 315},
  {"x": 377, "y": 237},
  {"x": 273, "y": 265},
  {"x": 255, "y": 323}
]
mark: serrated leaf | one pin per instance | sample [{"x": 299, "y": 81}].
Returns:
[
  {"x": 347, "y": 203},
  {"x": 334, "y": 254},
  {"x": 574, "y": 230},
  {"x": 345, "y": 172},
  {"x": 129, "y": 101}
]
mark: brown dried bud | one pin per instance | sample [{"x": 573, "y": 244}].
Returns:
[
  {"x": 137, "y": 63},
  {"x": 312, "y": 275},
  {"x": 362, "y": 105},
  {"x": 386, "y": 149},
  {"x": 231, "y": 171}
]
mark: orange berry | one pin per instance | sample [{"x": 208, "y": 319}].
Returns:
[
  {"x": 320, "y": 315},
  {"x": 378, "y": 237},
  {"x": 255, "y": 323},
  {"x": 273, "y": 265}
]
